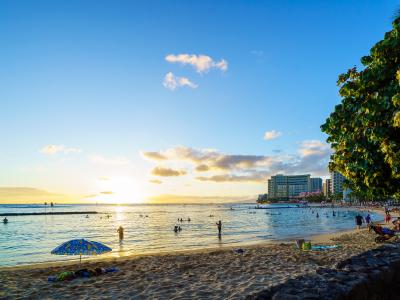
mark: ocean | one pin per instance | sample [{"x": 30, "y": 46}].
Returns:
[{"x": 149, "y": 228}]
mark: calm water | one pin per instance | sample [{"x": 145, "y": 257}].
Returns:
[{"x": 149, "y": 228}]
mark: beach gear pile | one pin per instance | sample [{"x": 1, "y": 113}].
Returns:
[
  {"x": 239, "y": 251},
  {"x": 82, "y": 273},
  {"x": 306, "y": 246}
]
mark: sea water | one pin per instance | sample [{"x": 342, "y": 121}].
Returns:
[{"x": 149, "y": 228}]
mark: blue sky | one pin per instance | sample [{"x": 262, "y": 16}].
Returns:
[{"x": 88, "y": 76}]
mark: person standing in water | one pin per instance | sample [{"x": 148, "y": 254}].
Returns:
[
  {"x": 120, "y": 231},
  {"x": 219, "y": 226},
  {"x": 368, "y": 220},
  {"x": 5, "y": 220},
  {"x": 359, "y": 220}
]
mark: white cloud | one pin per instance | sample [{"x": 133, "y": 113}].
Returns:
[
  {"x": 172, "y": 82},
  {"x": 167, "y": 172},
  {"x": 258, "y": 53},
  {"x": 54, "y": 149},
  {"x": 201, "y": 63},
  {"x": 271, "y": 135},
  {"x": 314, "y": 147}
]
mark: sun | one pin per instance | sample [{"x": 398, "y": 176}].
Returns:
[{"x": 120, "y": 190}]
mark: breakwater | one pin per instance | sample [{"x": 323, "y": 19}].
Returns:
[{"x": 49, "y": 213}]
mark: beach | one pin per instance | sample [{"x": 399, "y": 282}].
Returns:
[{"x": 209, "y": 274}]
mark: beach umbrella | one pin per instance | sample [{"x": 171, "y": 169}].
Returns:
[{"x": 81, "y": 247}]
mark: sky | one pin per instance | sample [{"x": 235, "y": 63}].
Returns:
[{"x": 171, "y": 101}]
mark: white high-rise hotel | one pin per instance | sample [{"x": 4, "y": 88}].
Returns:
[
  {"x": 287, "y": 186},
  {"x": 337, "y": 183}
]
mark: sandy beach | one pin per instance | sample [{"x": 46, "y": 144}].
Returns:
[{"x": 208, "y": 274}]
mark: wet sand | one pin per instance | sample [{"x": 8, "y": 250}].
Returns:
[{"x": 207, "y": 274}]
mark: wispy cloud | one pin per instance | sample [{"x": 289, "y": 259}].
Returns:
[
  {"x": 255, "y": 177},
  {"x": 31, "y": 195},
  {"x": 313, "y": 147},
  {"x": 54, "y": 149},
  {"x": 167, "y": 172},
  {"x": 168, "y": 198},
  {"x": 90, "y": 196},
  {"x": 173, "y": 82},
  {"x": 258, "y": 53},
  {"x": 201, "y": 63},
  {"x": 153, "y": 155},
  {"x": 107, "y": 193},
  {"x": 155, "y": 181},
  {"x": 202, "y": 168},
  {"x": 271, "y": 135}
]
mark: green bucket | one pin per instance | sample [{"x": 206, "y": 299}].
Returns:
[{"x": 306, "y": 246}]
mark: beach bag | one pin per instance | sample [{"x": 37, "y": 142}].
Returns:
[
  {"x": 307, "y": 246},
  {"x": 299, "y": 243}
]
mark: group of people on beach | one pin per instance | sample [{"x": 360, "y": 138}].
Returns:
[
  {"x": 178, "y": 228},
  {"x": 359, "y": 220},
  {"x": 182, "y": 220}
]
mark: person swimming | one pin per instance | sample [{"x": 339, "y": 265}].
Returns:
[
  {"x": 176, "y": 229},
  {"x": 317, "y": 215},
  {"x": 120, "y": 231},
  {"x": 5, "y": 220}
]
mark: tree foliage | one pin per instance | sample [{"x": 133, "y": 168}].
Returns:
[
  {"x": 364, "y": 129},
  {"x": 313, "y": 196}
]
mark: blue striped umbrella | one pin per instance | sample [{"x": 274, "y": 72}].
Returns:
[{"x": 81, "y": 247}]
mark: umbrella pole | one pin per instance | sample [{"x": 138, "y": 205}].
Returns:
[{"x": 80, "y": 258}]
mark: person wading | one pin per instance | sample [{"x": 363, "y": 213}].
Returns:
[
  {"x": 219, "y": 226},
  {"x": 120, "y": 231}
]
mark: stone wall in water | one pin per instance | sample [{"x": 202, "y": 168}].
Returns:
[{"x": 374, "y": 274}]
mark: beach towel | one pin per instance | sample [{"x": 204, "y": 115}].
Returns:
[
  {"x": 324, "y": 247},
  {"x": 85, "y": 273}
]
